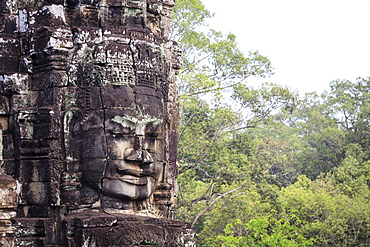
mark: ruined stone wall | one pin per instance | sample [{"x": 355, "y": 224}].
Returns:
[
  {"x": 70, "y": 71},
  {"x": 8, "y": 204}
]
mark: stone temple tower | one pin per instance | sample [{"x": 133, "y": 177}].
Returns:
[{"x": 89, "y": 118}]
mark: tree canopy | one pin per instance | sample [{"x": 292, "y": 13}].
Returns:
[{"x": 260, "y": 166}]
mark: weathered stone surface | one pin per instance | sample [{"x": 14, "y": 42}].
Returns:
[
  {"x": 8, "y": 192},
  {"x": 89, "y": 117},
  {"x": 8, "y": 205},
  {"x": 106, "y": 230}
]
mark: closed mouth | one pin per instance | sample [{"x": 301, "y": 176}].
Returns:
[
  {"x": 134, "y": 172},
  {"x": 133, "y": 180}
]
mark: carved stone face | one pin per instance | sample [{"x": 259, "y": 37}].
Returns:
[
  {"x": 119, "y": 79},
  {"x": 132, "y": 167},
  {"x": 121, "y": 150}
]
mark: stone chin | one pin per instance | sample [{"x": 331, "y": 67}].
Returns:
[{"x": 129, "y": 188}]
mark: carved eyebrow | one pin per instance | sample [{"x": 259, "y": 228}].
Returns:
[{"x": 132, "y": 122}]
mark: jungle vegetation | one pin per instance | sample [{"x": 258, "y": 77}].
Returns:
[{"x": 260, "y": 165}]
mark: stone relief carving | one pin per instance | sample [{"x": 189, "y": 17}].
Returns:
[
  {"x": 89, "y": 114},
  {"x": 8, "y": 204}
]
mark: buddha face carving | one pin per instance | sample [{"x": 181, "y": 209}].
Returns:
[
  {"x": 133, "y": 168},
  {"x": 121, "y": 143},
  {"x": 119, "y": 77}
]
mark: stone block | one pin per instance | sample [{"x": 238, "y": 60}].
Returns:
[
  {"x": 88, "y": 98},
  {"x": 70, "y": 185},
  {"x": 94, "y": 166},
  {"x": 35, "y": 211},
  {"x": 46, "y": 170},
  {"x": 146, "y": 105},
  {"x": 4, "y": 122},
  {"x": 116, "y": 2},
  {"x": 39, "y": 149},
  {"x": 15, "y": 83},
  {"x": 89, "y": 195},
  {"x": 30, "y": 242},
  {"x": 120, "y": 74},
  {"x": 115, "y": 16},
  {"x": 118, "y": 96},
  {"x": 87, "y": 15},
  {"x": 47, "y": 15},
  {"x": 90, "y": 2},
  {"x": 173, "y": 143},
  {"x": 20, "y": 102},
  {"x": 4, "y": 105},
  {"x": 40, "y": 193},
  {"x": 8, "y": 23},
  {"x": 137, "y": 36},
  {"x": 43, "y": 62},
  {"x": 9, "y": 166},
  {"x": 134, "y": 4},
  {"x": 92, "y": 179},
  {"x": 119, "y": 54},
  {"x": 125, "y": 230},
  {"x": 93, "y": 144},
  {"x": 117, "y": 34},
  {"x": 9, "y": 47},
  {"x": 87, "y": 35},
  {"x": 90, "y": 220},
  {"x": 55, "y": 1},
  {"x": 52, "y": 39},
  {"x": 48, "y": 101},
  {"x": 8, "y": 204},
  {"x": 112, "y": 113},
  {"x": 8, "y": 192},
  {"x": 46, "y": 126},
  {"x": 30, "y": 227},
  {"x": 36, "y": 125},
  {"x": 35, "y": 231},
  {"x": 92, "y": 122}
]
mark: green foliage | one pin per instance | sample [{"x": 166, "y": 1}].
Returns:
[
  {"x": 306, "y": 213},
  {"x": 331, "y": 125},
  {"x": 350, "y": 102},
  {"x": 352, "y": 177},
  {"x": 214, "y": 72},
  {"x": 264, "y": 231},
  {"x": 212, "y": 61},
  {"x": 258, "y": 167},
  {"x": 325, "y": 215}
]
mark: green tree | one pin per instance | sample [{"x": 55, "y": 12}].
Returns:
[
  {"x": 350, "y": 102},
  {"x": 242, "y": 149},
  {"x": 212, "y": 60},
  {"x": 352, "y": 177},
  {"x": 331, "y": 124},
  {"x": 215, "y": 72},
  {"x": 324, "y": 214}
]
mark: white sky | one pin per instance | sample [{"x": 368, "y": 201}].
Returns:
[{"x": 309, "y": 42}]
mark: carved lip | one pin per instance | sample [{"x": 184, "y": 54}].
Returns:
[
  {"x": 133, "y": 180},
  {"x": 134, "y": 172}
]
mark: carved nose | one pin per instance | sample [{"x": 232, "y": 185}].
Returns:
[{"x": 138, "y": 155}]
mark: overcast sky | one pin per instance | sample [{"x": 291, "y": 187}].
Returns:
[{"x": 309, "y": 42}]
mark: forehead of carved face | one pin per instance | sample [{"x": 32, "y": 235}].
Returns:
[{"x": 122, "y": 150}]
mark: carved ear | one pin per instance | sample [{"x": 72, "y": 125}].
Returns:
[
  {"x": 71, "y": 117},
  {"x": 69, "y": 178}
]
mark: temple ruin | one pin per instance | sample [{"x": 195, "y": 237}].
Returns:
[{"x": 88, "y": 118}]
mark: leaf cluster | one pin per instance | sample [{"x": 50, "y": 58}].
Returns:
[{"x": 258, "y": 167}]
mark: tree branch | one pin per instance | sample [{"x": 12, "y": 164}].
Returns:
[
  {"x": 186, "y": 125},
  {"x": 213, "y": 202}
]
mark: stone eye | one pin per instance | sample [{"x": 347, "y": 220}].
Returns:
[
  {"x": 152, "y": 129},
  {"x": 118, "y": 129}
]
